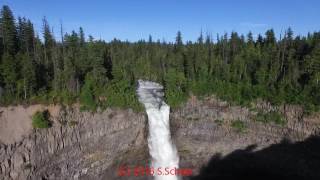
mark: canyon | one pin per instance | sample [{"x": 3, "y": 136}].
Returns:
[{"x": 94, "y": 145}]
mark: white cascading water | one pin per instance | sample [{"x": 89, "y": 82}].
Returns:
[{"x": 163, "y": 152}]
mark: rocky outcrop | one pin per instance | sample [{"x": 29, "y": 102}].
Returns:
[
  {"x": 203, "y": 129},
  {"x": 83, "y": 145},
  {"x": 80, "y": 144}
]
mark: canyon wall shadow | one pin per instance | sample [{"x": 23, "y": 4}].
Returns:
[{"x": 286, "y": 160}]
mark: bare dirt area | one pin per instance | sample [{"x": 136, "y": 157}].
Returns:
[{"x": 16, "y": 121}]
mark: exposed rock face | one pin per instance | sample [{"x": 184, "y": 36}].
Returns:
[
  {"x": 203, "y": 129},
  {"x": 80, "y": 144},
  {"x": 83, "y": 145}
]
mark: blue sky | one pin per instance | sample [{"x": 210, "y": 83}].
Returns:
[{"x": 136, "y": 19}]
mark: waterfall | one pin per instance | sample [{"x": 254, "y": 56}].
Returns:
[{"x": 163, "y": 152}]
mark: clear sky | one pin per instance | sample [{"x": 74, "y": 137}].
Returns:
[{"x": 136, "y": 19}]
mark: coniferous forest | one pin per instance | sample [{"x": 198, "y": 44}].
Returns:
[{"x": 38, "y": 68}]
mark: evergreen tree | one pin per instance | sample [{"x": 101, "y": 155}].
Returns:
[
  {"x": 28, "y": 76},
  {"x": 82, "y": 37},
  {"x": 71, "y": 63},
  {"x": 8, "y": 31},
  {"x": 9, "y": 74},
  {"x": 47, "y": 62},
  {"x": 179, "y": 43},
  {"x": 234, "y": 68},
  {"x": 108, "y": 64},
  {"x": 8, "y": 66}
]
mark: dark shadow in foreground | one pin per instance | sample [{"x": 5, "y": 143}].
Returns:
[{"x": 286, "y": 160}]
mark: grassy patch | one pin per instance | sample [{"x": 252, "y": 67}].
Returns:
[
  {"x": 41, "y": 120},
  {"x": 271, "y": 117},
  {"x": 193, "y": 118},
  {"x": 239, "y": 126},
  {"x": 219, "y": 122},
  {"x": 72, "y": 123}
]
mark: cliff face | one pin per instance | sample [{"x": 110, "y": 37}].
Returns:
[
  {"x": 83, "y": 145},
  {"x": 80, "y": 144},
  {"x": 203, "y": 129}
]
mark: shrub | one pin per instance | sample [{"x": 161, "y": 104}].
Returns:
[
  {"x": 121, "y": 94},
  {"x": 219, "y": 122},
  {"x": 272, "y": 116},
  {"x": 175, "y": 88},
  {"x": 239, "y": 126},
  {"x": 67, "y": 97},
  {"x": 41, "y": 120},
  {"x": 73, "y": 123},
  {"x": 87, "y": 98},
  {"x": 202, "y": 87}
]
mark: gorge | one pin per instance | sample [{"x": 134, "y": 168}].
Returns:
[{"x": 85, "y": 145}]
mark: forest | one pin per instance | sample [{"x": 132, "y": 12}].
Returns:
[{"x": 38, "y": 68}]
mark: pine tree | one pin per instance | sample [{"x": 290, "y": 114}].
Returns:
[
  {"x": 8, "y": 31},
  {"x": 82, "y": 37},
  {"x": 270, "y": 37},
  {"x": 9, "y": 74},
  {"x": 250, "y": 38},
  {"x": 25, "y": 58},
  {"x": 48, "y": 62},
  {"x": 27, "y": 81},
  {"x": 108, "y": 64},
  {"x": 179, "y": 43},
  {"x": 97, "y": 70},
  {"x": 234, "y": 68},
  {"x": 71, "y": 64},
  {"x": 313, "y": 66},
  {"x": 235, "y": 44},
  {"x": 8, "y": 66}
]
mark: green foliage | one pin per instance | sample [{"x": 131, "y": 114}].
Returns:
[
  {"x": 175, "y": 88},
  {"x": 120, "y": 93},
  {"x": 239, "y": 126},
  {"x": 219, "y": 122},
  {"x": 41, "y": 120},
  {"x": 87, "y": 96},
  {"x": 8, "y": 31},
  {"x": 9, "y": 74},
  {"x": 66, "y": 97},
  {"x": 270, "y": 117},
  {"x": 98, "y": 73},
  {"x": 202, "y": 87},
  {"x": 72, "y": 123}
]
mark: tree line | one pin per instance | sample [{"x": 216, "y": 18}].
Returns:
[{"x": 237, "y": 68}]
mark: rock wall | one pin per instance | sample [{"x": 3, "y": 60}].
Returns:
[
  {"x": 80, "y": 144},
  {"x": 83, "y": 145},
  {"x": 203, "y": 129}
]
